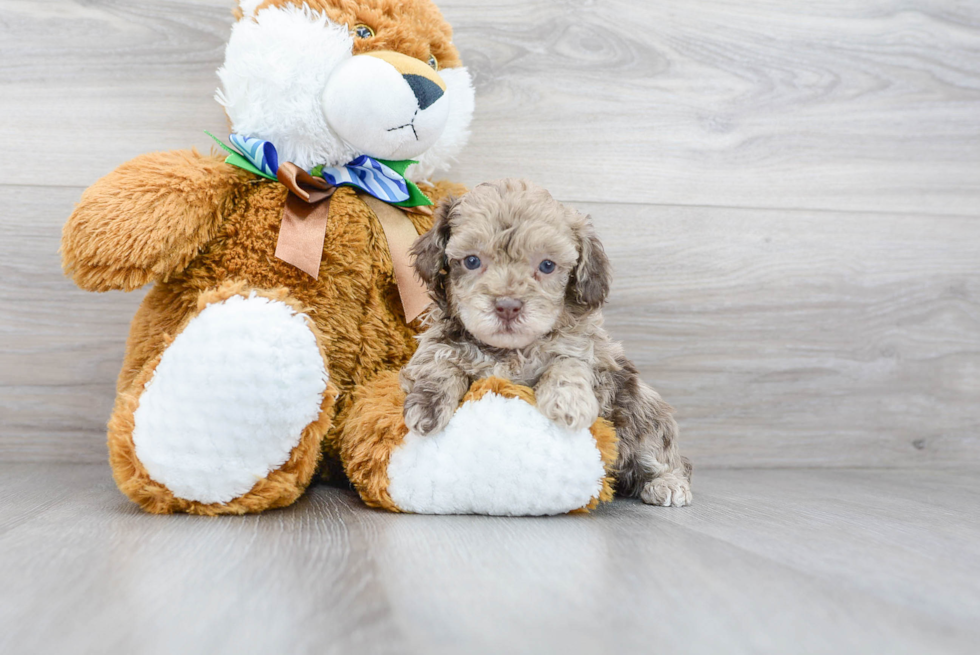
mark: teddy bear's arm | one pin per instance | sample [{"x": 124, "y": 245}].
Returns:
[{"x": 147, "y": 219}]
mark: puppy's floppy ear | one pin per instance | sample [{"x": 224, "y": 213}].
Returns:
[
  {"x": 429, "y": 251},
  {"x": 589, "y": 283}
]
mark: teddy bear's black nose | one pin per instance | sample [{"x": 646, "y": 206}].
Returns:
[{"x": 426, "y": 91}]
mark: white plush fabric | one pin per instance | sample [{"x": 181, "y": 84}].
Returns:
[
  {"x": 229, "y": 400},
  {"x": 497, "y": 456},
  {"x": 276, "y": 67},
  {"x": 371, "y": 106},
  {"x": 278, "y": 64},
  {"x": 248, "y": 7}
]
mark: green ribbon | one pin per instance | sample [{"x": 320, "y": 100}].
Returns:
[{"x": 415, "y": 196}]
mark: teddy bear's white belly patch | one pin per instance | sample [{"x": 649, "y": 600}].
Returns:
[
  {"x": 497, "y": 456},
  {"x": 229, "y": 399}
]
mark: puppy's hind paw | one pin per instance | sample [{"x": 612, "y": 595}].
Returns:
[{"x": 667, "y": 490}]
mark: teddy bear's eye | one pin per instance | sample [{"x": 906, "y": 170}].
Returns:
[
  {"x": 363, "y": 31},
  {"x": 433, "y": 62},
  {"x": 547, "y": 267},
  {"x": 472, "y": 262}
]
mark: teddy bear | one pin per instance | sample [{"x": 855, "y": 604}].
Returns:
[{"x": 282, "y": 289}]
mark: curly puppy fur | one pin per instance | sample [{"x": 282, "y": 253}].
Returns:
[{"x": 518, "y": 282}]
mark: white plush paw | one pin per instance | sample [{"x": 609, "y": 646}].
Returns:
[
  {"x": 497, "y": 456},
  {"x": 668, "y": 490},
  {"x": 229, "y": 399},
  {"x": 572, "y": 406}
]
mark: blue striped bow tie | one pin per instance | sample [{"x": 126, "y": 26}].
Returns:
[{"x": 383, "y": 179}]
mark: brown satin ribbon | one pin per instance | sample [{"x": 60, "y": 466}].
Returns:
[
  {"x": 304, "y": 219},
  {"x": 400, "y": 233},
  {"x": 304, "y": 228}
]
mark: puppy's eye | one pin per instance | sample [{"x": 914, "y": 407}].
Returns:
[
  {"x": 472, "y": 262},
  {"x": 547, "y": 267},
  {"x": 433, "y": 62},
  {"x": 363, "y": 31}
]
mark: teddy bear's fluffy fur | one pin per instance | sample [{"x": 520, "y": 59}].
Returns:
[
  {"x": 282, "y": 55},
  {"x": 411, "y": 27},
  {"x": 194, "y": 224}
]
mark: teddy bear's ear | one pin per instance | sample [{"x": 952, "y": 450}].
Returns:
[{"x": 429, "y": 251}]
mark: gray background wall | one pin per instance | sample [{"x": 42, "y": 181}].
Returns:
[{"x": 790, "y": 196}]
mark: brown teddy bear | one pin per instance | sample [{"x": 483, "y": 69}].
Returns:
[
  {"x": 281, "y": 278},
  {"x": 284, "y": 291}
]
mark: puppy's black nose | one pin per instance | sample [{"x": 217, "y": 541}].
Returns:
[
  {"x": 508, "y": 308},
  {"x": 426, "y": 91}
]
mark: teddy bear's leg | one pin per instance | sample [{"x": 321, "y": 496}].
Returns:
[
  {"x": 499, "y": 455},
  {"x": 230, "y": 417}
]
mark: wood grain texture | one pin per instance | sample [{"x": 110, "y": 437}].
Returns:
[
  {"x": 808, "y": 338},
  {"x": 764, "y": 562},
  {"x": 841, "y": 333},
  {"x": 782, "y": 338},
  {"x": 837, "y": 105},
  {"x": 61, "y": 347}
]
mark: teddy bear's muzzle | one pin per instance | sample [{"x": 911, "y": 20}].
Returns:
[{"x": 386, "y": 105}]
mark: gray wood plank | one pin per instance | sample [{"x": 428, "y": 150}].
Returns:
[
  {"x": 61, "y": 348},
  {"x": 807, "y": 338},
  {"x": 782, "y": 338},
  {"x": 836, "y": 105},
  {"x": 764, "y": 562}
]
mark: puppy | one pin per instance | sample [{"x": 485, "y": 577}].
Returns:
[{"x": 518, "y": 282}]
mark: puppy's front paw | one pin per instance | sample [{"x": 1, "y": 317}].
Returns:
[
  {"x": 668, "y": 490},
  {"x": 428, "y": 411},
  {"x": 575, "y": 407}
]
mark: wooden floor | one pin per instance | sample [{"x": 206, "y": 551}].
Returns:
[{"x": 766, "y": 561}]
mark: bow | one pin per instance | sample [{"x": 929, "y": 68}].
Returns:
[
  {"x": 381, "y": 185},
  {"x": 384, "y": 179}
]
